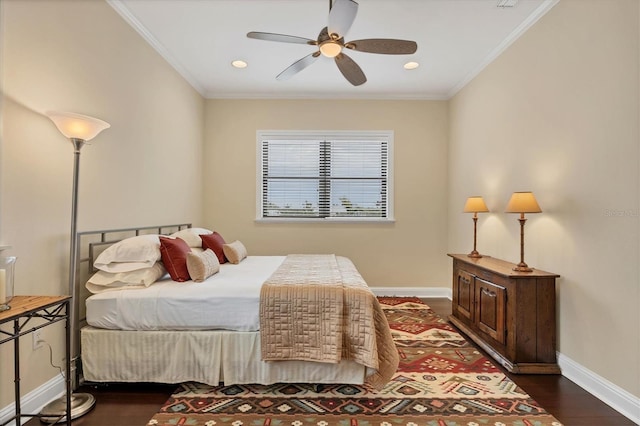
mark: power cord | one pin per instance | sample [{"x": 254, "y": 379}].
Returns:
[{"x": 51, "y": 357}]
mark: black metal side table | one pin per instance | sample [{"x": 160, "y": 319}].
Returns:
[{"x": 49, "y": 310}]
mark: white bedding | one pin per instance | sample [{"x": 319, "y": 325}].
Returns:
[{"x": 228, "y": 300}]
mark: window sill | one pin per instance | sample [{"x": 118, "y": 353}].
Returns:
[{"x": 325, "y": 220}]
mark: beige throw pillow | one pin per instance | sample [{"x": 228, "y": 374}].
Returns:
[
  {"x": 202, "y": 265},
  {"x": 234, "y": 252},
  {"x": 192, "y": 236}
]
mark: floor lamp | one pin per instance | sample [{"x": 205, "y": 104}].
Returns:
[{"x": 79, "y": 129}]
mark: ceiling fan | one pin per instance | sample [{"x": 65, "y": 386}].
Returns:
[{"x": 331, "y": 44}]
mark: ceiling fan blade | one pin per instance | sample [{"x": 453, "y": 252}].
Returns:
[
  {"x": 298, "y": 66},
  {"x": 388, "y": 46},
  {"x": 350, "y": 70},
  {"x": 324, "y": 35},
  {"x": 341, "y": 16},
  {"x": 280, "y": 37}
]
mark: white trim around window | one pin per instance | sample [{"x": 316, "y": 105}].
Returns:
[{"x": 324, "y": 176}]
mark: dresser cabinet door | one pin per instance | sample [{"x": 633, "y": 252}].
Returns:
[
  {"x": 463, "y": 294},
  {"x": 491, "y": 309}
]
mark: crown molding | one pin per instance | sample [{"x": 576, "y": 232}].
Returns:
[
  {"x": 545, "y": 7},
  {"x": 328, "y": 96},
  {"x": 130, "y": 18}
]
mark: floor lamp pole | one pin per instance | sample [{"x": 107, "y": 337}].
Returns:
[
  {"x": 81, "y": 403},
  {"x": 73, "y": 255}
]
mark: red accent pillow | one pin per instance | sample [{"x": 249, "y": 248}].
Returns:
[
  {"x": 214, "y": 242},
  {"x": 174, "y": 257}
]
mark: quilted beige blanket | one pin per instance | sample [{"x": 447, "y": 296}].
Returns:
[{"x": 319, "y": 308}]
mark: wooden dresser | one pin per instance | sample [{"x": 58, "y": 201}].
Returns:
[{"x": 509, "y": 314}]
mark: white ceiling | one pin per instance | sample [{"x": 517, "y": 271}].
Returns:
[{"x": 456, "y": 39}]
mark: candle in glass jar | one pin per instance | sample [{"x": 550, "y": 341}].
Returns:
[{"x": 3, "y": 286}]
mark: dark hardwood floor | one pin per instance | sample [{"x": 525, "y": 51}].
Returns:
[{"x": 135, "y": 404}]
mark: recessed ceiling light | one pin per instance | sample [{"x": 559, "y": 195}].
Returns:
[
  {"x": 239, "y": 64},
  {"x": 411, "y": 65}
]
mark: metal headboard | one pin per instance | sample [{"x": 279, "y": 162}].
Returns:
[{"x": 90, "y": 244}]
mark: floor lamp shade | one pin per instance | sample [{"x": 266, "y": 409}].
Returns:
[
  {"x": 77, "y": 126},
  {"x": 522, "y": 202},
  {"x": 78, "y": 129},
  {"x": 475, "y": 205}
]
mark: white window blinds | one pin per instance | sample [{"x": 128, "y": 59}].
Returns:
[{"x": 337, "y": 175}]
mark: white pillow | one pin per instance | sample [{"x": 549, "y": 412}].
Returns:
[
  {"x": 103, "y": 281},
  {"x": 191, "y": 236},
  {"x": 130, "y": 254}
]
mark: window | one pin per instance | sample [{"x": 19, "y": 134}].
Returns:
[{"x": 325, "y": 175}]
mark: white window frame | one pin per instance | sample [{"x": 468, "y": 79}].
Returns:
[{"x": 386, "y": 135}]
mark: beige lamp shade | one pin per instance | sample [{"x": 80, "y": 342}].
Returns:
[
  {"x": 475, "y": 205},
  {"x": 523, "y": 202},
  {"x": 77, "y": 126}
]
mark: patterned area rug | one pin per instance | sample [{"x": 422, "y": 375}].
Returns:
[{"x": 442, "y": 380}]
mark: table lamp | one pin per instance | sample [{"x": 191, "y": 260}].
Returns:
[
  {"x": 522, "y": 202},
  {"x": 475, "y": 205}
]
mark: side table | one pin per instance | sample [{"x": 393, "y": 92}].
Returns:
[{"x": 23, "y": 313}]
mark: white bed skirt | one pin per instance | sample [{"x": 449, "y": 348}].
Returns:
[{"x": 205, "y": 356}]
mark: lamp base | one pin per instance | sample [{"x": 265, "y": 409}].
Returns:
[
  {"x": 54, "y": 412},
  {"x": 474, "y": 254},
  {"x": 522, "y": 267}
]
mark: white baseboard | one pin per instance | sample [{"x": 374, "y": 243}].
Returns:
[
  {"x": 617, "y": 398},
  {"x": 425, "y": 292},
  {"x": 35, "y": 400}
]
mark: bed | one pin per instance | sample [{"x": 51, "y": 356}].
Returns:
[{"x": 215, "y": 331}]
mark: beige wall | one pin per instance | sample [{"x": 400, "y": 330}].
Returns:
[
  {"x": 557, "y": 114},
  {"x": 145, "y": 170},
  {"x": 409, "y": 252}
]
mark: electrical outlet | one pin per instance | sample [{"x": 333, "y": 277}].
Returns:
[{"x": 37, "y": 339}]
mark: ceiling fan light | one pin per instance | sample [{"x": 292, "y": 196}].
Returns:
[
  {"x": 330, "y": 49},
  {"x": 411, "y": 65}
]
